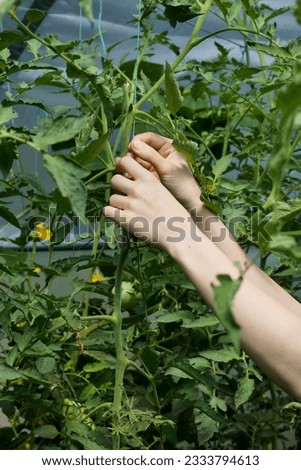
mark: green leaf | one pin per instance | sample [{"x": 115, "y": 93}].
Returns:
[
  {"x": 35, "y": 376},
  {"x": 188, "y": 149},
  {"x": 221, "y": 165},
  {"x": 8, "y": 152},
  {"x": 174, "y": 317},
  {"x": 87, "y": 6},
  {"x": 172, "y": 91},
  {"x": 202, "y": 322},
  {"x": 221, "y": 355},
  {"x": 59, "y": 130},
  {"x": 45, "y": 365},
  {"x": 286, "y": 244},
  {"x": 244, "y": 391},
  {"x": 96, "y": 367},
  {"x": 68, "y": 175},
  {"x": 93, "y": 150},
  {"x": 273, "y": 51},
  {"x": 7, "y": 5},
  {"x": 8, "y": 373},
  {"x": 178, "y": 12},
  {"x": 289, "y": 96},
  {"x": 278, "y": 12},
  {"x": 223, "y": 297},
  {"x": 251, "y": 12},
  {"x": 35, "y": 16},
  {"x": 47, "y": 431},
  {"x": 298, "y": 11},
  {"x": 206, "y": 428},
  {"x": 177, "y": 373},
  {"x": 8, "y": 38},
  {"x": 9, "y": 217},
  {"x": 26, "y": 339},
  {"x": 7, "y": 114}
]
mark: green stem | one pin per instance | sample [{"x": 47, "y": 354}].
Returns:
[
  {"x": 121, "y": 359},
  {"x": 98, "y": 175},
  {"x": 51, "y": 47},
  {"x": 191, "y": 43}
]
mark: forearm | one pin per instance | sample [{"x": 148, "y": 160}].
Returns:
[
  {"x": 217, "y": 232},
  {"x": 270, "y": 332}
]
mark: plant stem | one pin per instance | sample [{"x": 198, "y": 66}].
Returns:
[
  {"x": 191, "y": 43},
  {"x": 121, "y": 359}
]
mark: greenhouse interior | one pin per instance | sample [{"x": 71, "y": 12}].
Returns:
[{"x": 150, "y": 225}]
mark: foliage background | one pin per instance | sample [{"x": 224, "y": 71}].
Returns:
[{"x": 132, "y": 357}]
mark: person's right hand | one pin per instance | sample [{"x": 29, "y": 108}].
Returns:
[{"x": 157, "y": 154}]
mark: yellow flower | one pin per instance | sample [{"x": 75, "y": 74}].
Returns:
[
  {"x": 37, "y": 270},
  {"x": 97, "y": 276},
  {"x": 41, "y": 231}
]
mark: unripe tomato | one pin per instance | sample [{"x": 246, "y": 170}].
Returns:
[{"x": 129, "y": 296}]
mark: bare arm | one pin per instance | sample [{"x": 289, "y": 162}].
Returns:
[
  {"x": 157, "y": 154},
  {"x": 270, "y": 331}
]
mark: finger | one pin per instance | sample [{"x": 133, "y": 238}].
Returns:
[
  {"x": 117, "y": 215},
  {"x": 155, "y": 141},
  {"x": 150, "y": 155},
  {"x": 121, "y": 184},
  {"x": 132, "y": 168},
  {"x": 118, "y": 201},
  {"x": 148, "y": 166}
]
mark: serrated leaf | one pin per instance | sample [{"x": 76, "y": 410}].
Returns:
[
  {"x": 221, "y": 355},
  {"x": 278, "y": 12},
  {"x": 244, "y": 391},
  {"x": 172, "y": 91},
  {"x": 59, "y": 130},
  {"x": 68, "y": 175},
  {"x": 273, "y": 51},
  {"x": 223, "y": 298},
  {"x": 188, "y": 149},
  {"x": 251, "y": 12},
  {"x": 7, "y": 114},
  {"x": 206, "y": 428}
]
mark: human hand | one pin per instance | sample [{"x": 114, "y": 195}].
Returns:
[
  {"x": 144, "y": 207},
  {"x": 157, "y": 155}
]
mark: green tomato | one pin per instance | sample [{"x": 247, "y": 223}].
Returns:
[{"x": 129, "y": 296}]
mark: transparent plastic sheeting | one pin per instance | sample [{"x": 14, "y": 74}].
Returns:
[{"x": 136, "y": 459}]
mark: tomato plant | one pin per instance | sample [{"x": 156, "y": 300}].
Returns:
[{"x": 87, "y": 368}]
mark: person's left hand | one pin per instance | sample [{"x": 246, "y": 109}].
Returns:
[{"x": 144, "y": 207}]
